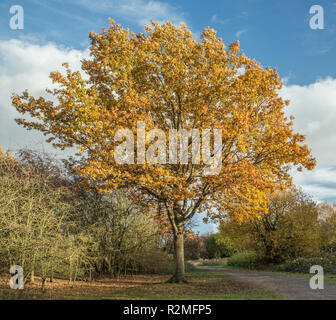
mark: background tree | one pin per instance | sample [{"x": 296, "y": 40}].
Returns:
[
  {"x": 290, "y": 229},
  {"x": 327, "y": 219},
  {"x": 169, "y": 80},
  {"x": 52, "y": 226},
  {"x": 32, "y": 214}
]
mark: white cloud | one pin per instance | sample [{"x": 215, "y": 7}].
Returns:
[
  {"x": 215, "y": 19},
  {"x": 314, "y": 109},
  {"x": 139, "y": 10},
  {"x": 320, "y": 183},
  {"x": 287, "y": 78},
  {"x": 240, "y": 32},
  {"x": 26, "y": 65}
]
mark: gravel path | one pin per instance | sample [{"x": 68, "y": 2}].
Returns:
[{"x": 288, "y": 286}]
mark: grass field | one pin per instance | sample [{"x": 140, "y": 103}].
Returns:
[{"x": 202, "y": 284}]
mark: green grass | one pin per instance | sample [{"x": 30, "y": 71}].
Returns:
[
  {"x": 143, "y": 295},
  {"x": 205, "y": 274},
  {"x": 225, "y": 266},
  {"x": 220, "y": 266},
  {"x": 202, "y": 285}
]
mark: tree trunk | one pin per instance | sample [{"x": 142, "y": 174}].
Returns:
[
  {"x": 43, "y": 283},
  {"x": 179, "y": 275},
  {"x": 32, "y": 275}
]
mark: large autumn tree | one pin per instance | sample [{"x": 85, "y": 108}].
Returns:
[{"x": 167, "y": 79}]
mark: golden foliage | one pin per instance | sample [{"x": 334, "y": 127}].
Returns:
[{"x": 170, "y": 80}]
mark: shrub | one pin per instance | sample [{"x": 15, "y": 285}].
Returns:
[
  {"x": 245, "y": 259},
  {"x": 209, "y": 246},
  {"x": 155, "y": 261},
  {"x": 303, "y": 264},
  {"x": 220, "y": 247},
  {"x": 213, "y": 262}
]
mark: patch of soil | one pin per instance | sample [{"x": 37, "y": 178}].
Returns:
[{"x": 64, "y": 289}]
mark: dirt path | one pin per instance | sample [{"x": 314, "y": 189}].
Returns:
[{"x": 288, "y": 286}]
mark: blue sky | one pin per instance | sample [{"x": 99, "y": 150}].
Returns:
[{"x": 276, "y": 33}]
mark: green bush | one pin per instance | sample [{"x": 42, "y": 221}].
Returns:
[
  {"x": 220, "y": 247},
  {"x": 245, "y": 259},
  {"x": 303, "y": 264}
]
